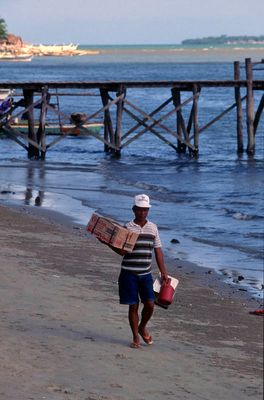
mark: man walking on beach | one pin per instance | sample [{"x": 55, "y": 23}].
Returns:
[{"x": 135, "y": 279}]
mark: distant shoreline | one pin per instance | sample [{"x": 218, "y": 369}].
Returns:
[
  {"x": 174, "y": 45},
  {"x": 177, "y": 52},
  {"x": 169, "y": 49},
  {"x": 225, "y": 40},
  {"x": 13, "y": 47}
]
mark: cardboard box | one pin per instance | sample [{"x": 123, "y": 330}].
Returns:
[{"x": 112, "y": 232}]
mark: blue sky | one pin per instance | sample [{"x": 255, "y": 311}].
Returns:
[{"x": 130, "y": 21}]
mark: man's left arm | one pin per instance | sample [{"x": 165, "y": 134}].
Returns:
[{"x": 160, "y": 262}]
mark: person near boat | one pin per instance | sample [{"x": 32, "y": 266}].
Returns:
[{"x": 6, "y": 105}]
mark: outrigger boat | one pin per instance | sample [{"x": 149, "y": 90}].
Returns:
[{"x": 82, "y": 131}]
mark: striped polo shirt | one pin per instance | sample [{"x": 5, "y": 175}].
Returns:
[{"x": 139, "y": 260}]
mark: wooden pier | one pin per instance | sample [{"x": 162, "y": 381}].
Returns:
[{"x": 116, "y": 103}]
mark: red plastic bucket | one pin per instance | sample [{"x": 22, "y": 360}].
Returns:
[{"x": 166, "y": 293}]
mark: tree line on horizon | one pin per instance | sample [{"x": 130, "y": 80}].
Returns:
[
  {"x": 223, "y": 39},
  {"x": 3, "y": 29}
]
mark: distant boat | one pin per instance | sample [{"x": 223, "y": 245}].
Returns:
[
  {"x": 15, "y": 57},
  {"x": 56, "y": 47},
  {"x": 53, "y": 50},
  {"x": 61, "y": 130}
]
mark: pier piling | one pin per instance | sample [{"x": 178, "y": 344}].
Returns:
[
  {"x": 250, "y": 108},
  {"x": 239, "y": 111},
  {"x": 108, "y": 126},
  {"x": 119, "y": 113},
  {"x": 196, "y": 93},
  {"x": 33, "y": 152},
  {"x": 41, "y": 137},
  {"x": 176, "y": 95}
]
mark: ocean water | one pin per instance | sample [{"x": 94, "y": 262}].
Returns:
[{"x": 213, "y": 204}]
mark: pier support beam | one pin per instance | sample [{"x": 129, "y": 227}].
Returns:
[
  {"x": 119, "y": 114},
  {"x": 250, "y": 108},
  {"x": 258, "y": 114},
  {"x": 33, "y": 152},
  {"x": 176, "y": 95},
  {"x": 108, "y": 126},
  {"x": 196, "y": 90},
  {"x": 41, "y": 136},
  {"x": 239, "y": 111}
]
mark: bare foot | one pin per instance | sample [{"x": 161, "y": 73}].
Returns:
[
  {"x": 135, "y": 345},
  {"x": 145, "y": 335}
]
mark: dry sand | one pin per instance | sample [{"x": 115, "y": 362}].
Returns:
[{"x": 65, "y": 337}]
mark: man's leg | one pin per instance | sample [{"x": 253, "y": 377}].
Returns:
[
  {"x": 133, "y": 321},
  {"x": 145, "y": 317}
]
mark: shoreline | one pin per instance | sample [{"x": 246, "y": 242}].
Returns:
[
  {"x": 228, "y": 281},
  {"x": 205, "y": 276},
  {"x": 208, "y": 275},
  {"x": 65, "y": 335}
]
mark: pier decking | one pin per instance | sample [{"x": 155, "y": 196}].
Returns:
[{"x": 116, "y": 102}]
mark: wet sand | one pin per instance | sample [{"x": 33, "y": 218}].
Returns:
[{"x": 64, "y": 335}]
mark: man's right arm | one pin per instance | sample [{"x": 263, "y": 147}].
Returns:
[{"x": 121, "y": 252}]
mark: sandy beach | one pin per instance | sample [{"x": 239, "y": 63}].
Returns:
[{"x": 65, "y": 337}]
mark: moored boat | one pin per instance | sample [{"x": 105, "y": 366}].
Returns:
[
  {"x": 15, "y": 57},
  {"x": 83, "y": 131},
  {"x": 53, "y": 50}
]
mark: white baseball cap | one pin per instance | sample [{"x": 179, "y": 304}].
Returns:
[{"x": 142, "y": 200}]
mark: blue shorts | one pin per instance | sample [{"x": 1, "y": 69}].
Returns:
[{"x": 133, "y": 288}]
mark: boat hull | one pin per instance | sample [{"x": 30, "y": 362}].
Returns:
[
  {"x": 84, "y": 131},
  {"x": 16, "y": 58}
]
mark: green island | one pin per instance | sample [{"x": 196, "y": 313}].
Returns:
[{"x": 224, "y": 40}]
